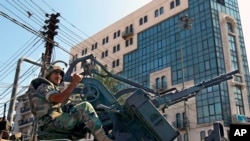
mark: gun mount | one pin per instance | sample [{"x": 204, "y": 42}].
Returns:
[{"x": 138, "y": 118}]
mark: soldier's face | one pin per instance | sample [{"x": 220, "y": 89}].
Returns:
[{"x": 55, "y": 77}]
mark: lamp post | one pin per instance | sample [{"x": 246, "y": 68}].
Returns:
[{"x": 184, "y": 23}]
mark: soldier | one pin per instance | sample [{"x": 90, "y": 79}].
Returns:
[{"x": 46, "y": 101}]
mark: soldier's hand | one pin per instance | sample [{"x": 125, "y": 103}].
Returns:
[{"x": 76, "y": 78}]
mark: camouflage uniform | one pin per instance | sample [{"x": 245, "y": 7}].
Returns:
[{"x": 51, "y": 115}]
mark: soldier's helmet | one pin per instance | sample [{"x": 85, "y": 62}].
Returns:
[{"x": 53, "y": 68}]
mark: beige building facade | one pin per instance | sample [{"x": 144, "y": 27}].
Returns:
[
  {"x": 145, "y": 46},
  {"x": 114, "y": 45}
]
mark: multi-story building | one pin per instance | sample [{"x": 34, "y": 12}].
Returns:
[
  {"x": 23, "y": 117},
  {"x": 179, "y": 43}
]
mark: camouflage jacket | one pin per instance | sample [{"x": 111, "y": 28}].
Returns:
[{"x": 39, "y": 92}]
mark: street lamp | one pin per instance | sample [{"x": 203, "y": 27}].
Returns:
[{"x": 184, "y": 23}]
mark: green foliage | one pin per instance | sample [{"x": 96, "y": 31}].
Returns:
[{"x": 109, "y": 82}]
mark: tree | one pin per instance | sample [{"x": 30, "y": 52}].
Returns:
[{"x": 110, "y": 83}]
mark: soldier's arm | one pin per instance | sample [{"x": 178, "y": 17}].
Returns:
[{"x": 64, "y": 95}]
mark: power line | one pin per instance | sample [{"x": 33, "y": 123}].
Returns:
[{"x": 70, "y": 41}]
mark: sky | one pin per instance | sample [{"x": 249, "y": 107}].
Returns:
[{"x": 79, "y": 18}]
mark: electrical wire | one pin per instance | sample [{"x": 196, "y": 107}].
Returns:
[
  {"x": 80, "y": 47},
  {"x": 6, "y": 92},
  {"x": 29, "y": 49},
  {"x": 68, "y": 38}
]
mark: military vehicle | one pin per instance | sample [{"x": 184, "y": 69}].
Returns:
[{"x": 139, "y": 117}]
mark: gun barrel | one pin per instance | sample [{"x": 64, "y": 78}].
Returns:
[
  {"x": 172, "y": 98},
  {"x": 219, "y": 79}
]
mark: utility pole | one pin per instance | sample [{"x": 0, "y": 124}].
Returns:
[
  {"x": 15, "y": 87},
  {"x": 49, "y": 34}
]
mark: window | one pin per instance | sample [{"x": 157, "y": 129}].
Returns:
[
  {"x": 95, "y": 45},
  {"x": 84, "y": 51},
  {"x": 164, "y": 82},
  {"x": 118, "y": 33},
  {"x": 161, "y": 83},
  {"x": 102, "y": 54},
  {"x": 115, "y": 63},
  {"x": 221, "y": 2},
  {"x": 239, "y": 100},
  {"x": 178, "y": 120},
  {"x": 145, "y": 19},
  {"x": 230, "y": 27},
  {"x": 156, "y": 13},
  {"x": 177, "y": 2},
  {"x": 126, "y": 43},
  {"x": 172, "y": 5},
  {"x": 185, "y": 137},
  {"x": 184, "y": 119},
  {"x": 202, "y": 135},
  {"x": 107, "y": 39},
  {"x": 211, "y": 109},
  {"x": 131, "y": 28},
  {"x": 106, "y": 53},
  {"x": 141, "y": 21},
  {"x": 103, "y": 41},
  {"x": 161, "y": 10},
  {"x": 233, "y": 52},
  {"x": 158, "y": 83},
  {"x": 127, "y": 29},
  {"x": 207, "y": 65},
  {"x": 116, "y": 48},
  {"x": 131, "y": 41}
]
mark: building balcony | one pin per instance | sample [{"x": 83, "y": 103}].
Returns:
[
  {"x": 24, "y": 110},
  {"x": 160, "y": 89},
  {"x": 181, "y": 125},
  {"x": 25, "y": 122},
  {"x": 127, "y": 33}
]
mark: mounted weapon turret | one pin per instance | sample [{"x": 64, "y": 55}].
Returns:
[{"x": 139, "y": 117}]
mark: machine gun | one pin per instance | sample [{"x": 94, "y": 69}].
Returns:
[{"x": 138, "y": 118}]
